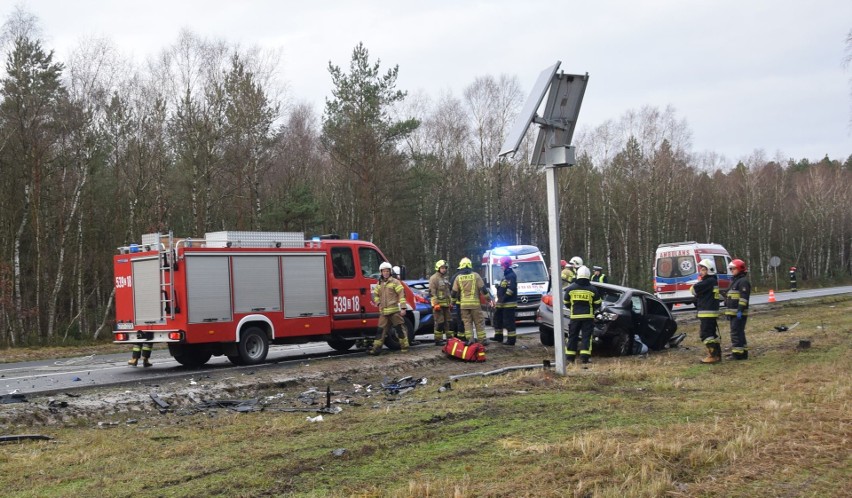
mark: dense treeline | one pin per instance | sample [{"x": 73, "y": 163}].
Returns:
[{"x": 95, "y": 152}]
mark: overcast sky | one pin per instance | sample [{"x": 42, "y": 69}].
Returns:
[{"x": 744, "y": 74}]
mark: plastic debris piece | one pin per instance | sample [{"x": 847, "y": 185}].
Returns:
[
  {"x": 12, "y": 397},
  {"x": 162, "y": 404},
  {"x": 21, "y": 437},
  {"x": 338, "y": 452},
  {"x": 76, "y": 379},
  {"x": 318, "y": 418}
]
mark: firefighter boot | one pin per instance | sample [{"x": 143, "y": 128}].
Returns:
[
  {"x": 740, "y": 355},
  {"x": 510, "y": 341},
  {"x": 439, "y": 337},
  {"x": 376, "y": 349},
  {"x": 137, "y": 352},
  {"x": 498, "y": 336},
  {"x": 146, "y": 362},
  {"x": 585, "y": 359},
  {"x": 714, "y": 353},
  {"x": 403, "y": 339}
]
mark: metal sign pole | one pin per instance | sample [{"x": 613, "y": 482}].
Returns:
[{"x": 555, "y": 269}]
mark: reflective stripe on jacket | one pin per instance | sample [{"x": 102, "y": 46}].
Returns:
[
  {"x": 467, "y": 287},
  {"x": 582, "y": 298},
  {"x": 738, "y": 295},
  {"x": 439, "y": 289},
  {"x": 706, "y": 292},
  {"x": 389, "y": 296},
  {"x": 507, "y": 290}
]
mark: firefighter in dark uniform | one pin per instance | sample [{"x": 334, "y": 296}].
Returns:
[
  {"x": 706, "y": 292},
  {"x": 736, "y": 304},
  {"x": 507, "y": 304},
  {"x": 793, "y": 279},
  {"x": 467, "y": 288},
  {"x": 389, "y": 296},
  {"x": 141, "y": 350},
  {"x": 582, "y": 300},
  {"x": 599, "y": 276},
  {"x": 439, "y": 290}
]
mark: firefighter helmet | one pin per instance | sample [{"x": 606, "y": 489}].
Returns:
[
  {"x": 583, "y": 272},
  {"x": 576, "y": 261},
  {"x": 792, "y": 268},
  {"x": 395, "y": 270},
  {"x": 710, "y": 265},
  {"x": 439, "y": 264},
  {"x": 738, "y": 264},
  {"x": 385, "y": 266},
  {"x": 465, "y": 263},
  {"x": 563, "y": 263},
  {"x": 505, "y": 261}
]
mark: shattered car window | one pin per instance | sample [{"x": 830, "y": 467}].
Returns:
[
  {"x": 611, "y": 296},
  {"x": 636, "y": 301}
]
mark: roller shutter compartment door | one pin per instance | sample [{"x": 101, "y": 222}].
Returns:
[
  {"x": 256, "y": 284},
  {"x": 208, "y": 288},
  {"x": 147, "y": 305},
  {"x": 305, "y": 292}
]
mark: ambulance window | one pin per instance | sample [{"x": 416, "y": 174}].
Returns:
[
  {"x": 342, "y": 262},
  {"x": 676, "y": 266},
  {"x": 721, "y": 264},
  {"x": 370, "y": 261}
]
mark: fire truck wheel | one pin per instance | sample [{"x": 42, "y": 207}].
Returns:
[
  {"x": 392, "y": 342},
  {"x": 338, "y": 343},
  {"x": 253, "y": 346},
  {"x": 192, "y": 359}
]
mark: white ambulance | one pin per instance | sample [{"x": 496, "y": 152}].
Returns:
[
  {"x": 531, "y": 270},
  {"x": 676, "y": 269}
]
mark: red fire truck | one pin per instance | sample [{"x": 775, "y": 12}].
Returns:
[{"x": 235, "y": 293}]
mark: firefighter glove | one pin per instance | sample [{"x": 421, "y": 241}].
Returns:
[
  {"x": 437, "y": 307},
  {"x": 740, "y": 314}
]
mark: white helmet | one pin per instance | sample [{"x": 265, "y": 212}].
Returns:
[
  {"x": 395, "y": 270},
  {"x": 576, "y": 261},
  {"x": 385, "y": 266},
  {"x": 709, "y": 264},
  {"x": 583, "y": 272}
]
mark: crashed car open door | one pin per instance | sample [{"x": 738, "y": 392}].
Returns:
[{"x": 658, "y": 326}]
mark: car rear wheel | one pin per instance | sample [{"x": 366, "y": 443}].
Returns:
[
  {"x": 392, "y": 341},
  {"x": 545, "y": 334}
]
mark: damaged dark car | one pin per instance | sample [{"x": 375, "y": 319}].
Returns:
[{"x": 630, "y": 321}]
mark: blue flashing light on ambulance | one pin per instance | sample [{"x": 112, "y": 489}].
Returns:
[
  {"x": 531, "y": 270},
  {"x": 676, "y": 269}
]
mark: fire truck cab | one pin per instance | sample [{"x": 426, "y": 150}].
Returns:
[{"x": 235, "y": 293}]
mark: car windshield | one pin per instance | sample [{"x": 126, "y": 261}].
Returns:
[{"x": 529, "y": 271}]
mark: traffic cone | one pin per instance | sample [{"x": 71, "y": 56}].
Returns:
[{"x": 771, "y": 296}]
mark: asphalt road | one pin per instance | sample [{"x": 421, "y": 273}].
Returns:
[{"x": 67, "y": 374}]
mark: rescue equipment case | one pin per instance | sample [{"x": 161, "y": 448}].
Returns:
[{"x": 456, "y": 348}]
